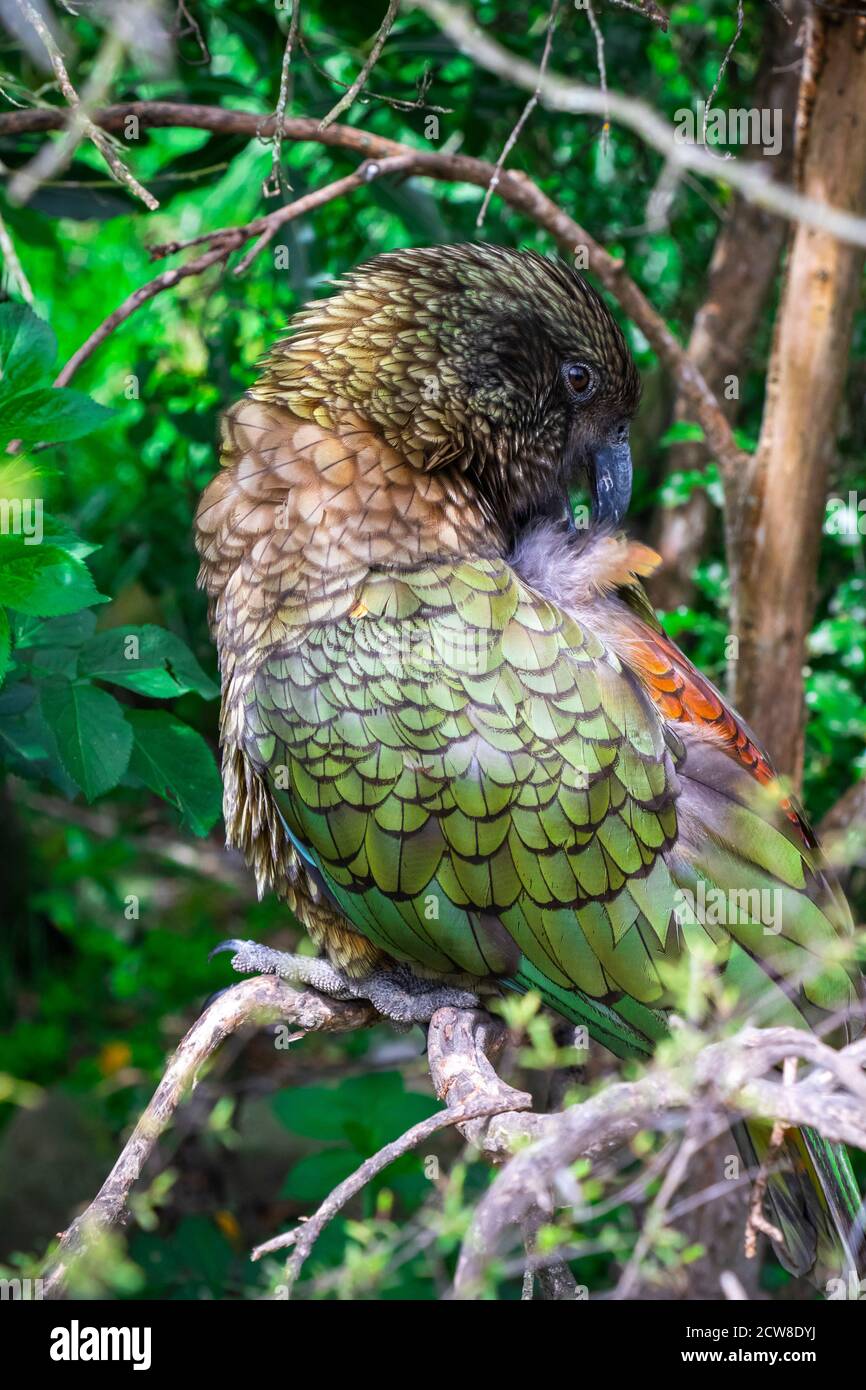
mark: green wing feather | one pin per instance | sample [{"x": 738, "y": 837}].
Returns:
[
  {"x": 481, "y": 784},
  {"x": 485, "y": 789}
]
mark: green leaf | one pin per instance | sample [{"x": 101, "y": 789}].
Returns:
[
  {"x": 176, "y": 763},
  {"x": 316, "y": 1112},
  {"x": 5, "y": 644},
  {"x": 43, "y": 580},
  {"x": 68, "y": 631},
  {"x": 94, "y": 740},
  {"x": 682, "y": 432},
  {"x": 365, "y": 1111},
  {"x": 52, "y": 414},
  {"x": 147, "y": 659},
  {"x": 55, "y": 533},
  {"x": 315, "y": 1175},
  {"x": 28, "y": 348}
]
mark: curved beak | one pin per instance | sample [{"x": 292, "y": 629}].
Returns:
[{"x": 610, "y": 482}]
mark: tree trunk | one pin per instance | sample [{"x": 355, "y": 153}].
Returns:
[
  {"x": 774, "y": 519},
  {"x": 743, "y": 266}
]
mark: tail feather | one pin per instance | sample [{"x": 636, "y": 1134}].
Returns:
[
  {"x": 813, "y": 1199},
  {"x": 842, "y": 1251}
]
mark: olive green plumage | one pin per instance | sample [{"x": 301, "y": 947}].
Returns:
[{"x": 467, "y": 766}]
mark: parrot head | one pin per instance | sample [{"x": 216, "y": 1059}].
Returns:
[{"x": 501, "y": 364}]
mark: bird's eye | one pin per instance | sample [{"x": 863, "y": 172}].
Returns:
[{"x": 580, "y": 380}]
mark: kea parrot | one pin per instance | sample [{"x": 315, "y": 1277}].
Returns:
[{"x": 456, "y": 739}]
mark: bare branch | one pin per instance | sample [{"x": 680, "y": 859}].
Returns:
[
  {"x": 602, "y": 70},
  {"x": 757, "y": 1221},
  {"x": 187, "y": 26},
  {"x": 378, "y": 44},
  {"x": 721, "y": 72},
  {"x": 719, "y": 1082},
  {"x": 648, "y": 8},
  {"x": 226, "y": 240},
  {"x": 272, "y": 185},
  {"x": 304, "y": 1237},
  {"x": 723, "y": 1081},
  {"x": 261, "y": 1000},
  {"x": 514, "y": 188}
]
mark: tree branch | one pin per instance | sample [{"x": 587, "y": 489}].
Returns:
[
  {"x": 710, "y": 1086},
  {"x": 514, "y": 188},
  {"x": 261, "y": 1000},
  {"x": 227, "y": 240}
]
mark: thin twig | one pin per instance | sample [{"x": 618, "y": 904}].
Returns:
[
  {"x": 648, "y": 8},
  {"x": 697, "y": 1133},
  {"x": 756, "y": 1220},
  {"x": 51, "y": 159},
  {"x": 186, "y": 24},
  {"x": 13, "y": 264},
  {"x": 522, "y": 119},
  {"x": 720, "y": 74},
  {"x": 272, "y": 185},
  {"x": 378, "y": 44},
  {"x": 399, "y": 103},
  {"x": 561, "y": 93},
  {"x": 602, "y": 72},
  {"x": 304, "y": 1237},
  {"x": 226, "y": 240}
]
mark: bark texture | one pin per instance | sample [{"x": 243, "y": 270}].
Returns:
[
  {"x": 742, "y": 270},
  {"x": 774, "y": 520}
]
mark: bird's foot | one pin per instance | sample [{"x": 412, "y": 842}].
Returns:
[{"x": 397, "y": 992}]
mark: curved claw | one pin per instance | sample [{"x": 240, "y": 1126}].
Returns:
[{"x": 234, "y": 944}]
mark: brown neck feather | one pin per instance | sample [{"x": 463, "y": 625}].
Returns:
[{"x": 303, "y": 509}]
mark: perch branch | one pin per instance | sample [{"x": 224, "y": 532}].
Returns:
[
  {"x": 263, "y": 999},
  {"x": 710, "y": 1087}
]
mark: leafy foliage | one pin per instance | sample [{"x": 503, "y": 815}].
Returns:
[{"x": 56, "y": 722}]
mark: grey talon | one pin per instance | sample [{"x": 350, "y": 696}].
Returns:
[{"x": 232, "y": 945}]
